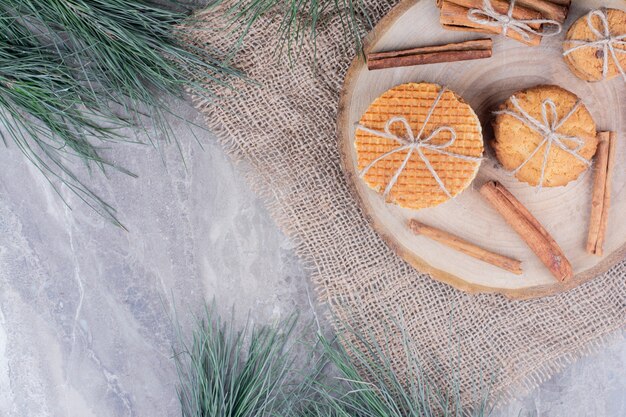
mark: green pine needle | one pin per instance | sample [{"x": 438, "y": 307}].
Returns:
[
  {"x": 300, "y": 20},
  {"x": 252, "y": 373},
  {"x": 228, "y": 373},
  {"x": 74, "y": 72},
  {"x": 128, "y": 50},
  {"x": 366, "y": 383},
  {"x": 50, "y": 116}
]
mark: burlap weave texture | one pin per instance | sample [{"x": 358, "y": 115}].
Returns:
[{"x": 284, "y": 128}]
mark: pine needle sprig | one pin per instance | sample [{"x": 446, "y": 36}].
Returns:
[
  {"x": 129, "y": 50},
  {"x": 48, "y": 115},
  {"x": 300, "y": 20},
  {"x": 74, "y": 72},
  {"x": 366, "y": 383},
  {"x": 224, "y": 372}
]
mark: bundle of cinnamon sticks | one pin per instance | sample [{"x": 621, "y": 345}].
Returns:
[{"x": 455, "y": 15}]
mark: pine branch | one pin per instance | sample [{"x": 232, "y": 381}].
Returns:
[
  {"x": 224, "y": 372},
  {"x": 253, "y": 373},
  {"x": 74, "y": 72},
  {"x": 366, "y": 383},
  {"x": 300, "y": 20}
]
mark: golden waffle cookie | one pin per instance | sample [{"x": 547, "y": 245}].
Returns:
[
  {"x": 515, "y": 141},
  {"x": 588, "y": 60},
  {"x": 416, "y": 187}
]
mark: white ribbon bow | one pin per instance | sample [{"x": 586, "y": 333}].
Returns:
[
  {"x": 415, "y": 144},
  {"x": 548, "y": 130},
  {"x": 488, "y": 16},
  {"x": 605, "y": 41}
]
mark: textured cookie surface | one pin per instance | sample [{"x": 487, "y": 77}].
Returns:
[
  {"x": 587, "y": 62},
  {"x": 416, "y": 187},
  {"x": 515, "y": 141}
]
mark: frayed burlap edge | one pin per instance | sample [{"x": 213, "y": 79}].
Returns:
[
  {"x": 235, "y": 126},
  {"x": 513, "y": 389}
]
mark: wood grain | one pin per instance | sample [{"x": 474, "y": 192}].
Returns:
[
  {"x": 468, "y": 248},
  {"x": 564, "y": 211}
]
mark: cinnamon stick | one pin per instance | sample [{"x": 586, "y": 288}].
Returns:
[
  {"x": 601, "y": 199},
  {"x": 461, "y": 51},
  {"x": 599, "y": 188},
  {"x": 456, "y": 243},
  {"x": 548, "y": 9},
  {"x": 454, "y": 16},
  {"x": 529, "y": 229},
  {"x": 565, "y": 3},
  {"x": 502, "y": 6},
  {"x": 607, "y": 194}
]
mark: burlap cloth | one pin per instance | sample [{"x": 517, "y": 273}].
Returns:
[{"x": 284, "y": 129}]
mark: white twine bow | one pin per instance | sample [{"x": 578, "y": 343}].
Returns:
[
  {"x": 415, "y": 144},
  {"x": 605, "y": 41},
  {"x": 488, "y": 16},
  {"x": 548, "y": 129}
]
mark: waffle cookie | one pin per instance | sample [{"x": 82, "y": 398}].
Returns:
[
  {"x": 419, "y": 145},
  {"x": 545, "y": 135},
  {"x": 587, "y": 50}
]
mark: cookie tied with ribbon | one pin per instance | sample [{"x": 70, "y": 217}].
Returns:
[
  {"x": 419, "y": 145},
  {"x": 595, "y": 45},
  {"x": 545, "y": 136}
]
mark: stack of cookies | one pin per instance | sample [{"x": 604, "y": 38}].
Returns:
[
  {"x": 545, "y": 135},
  {"x": 595, "y": 45}
]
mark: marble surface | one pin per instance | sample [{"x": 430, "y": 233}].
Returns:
[{"x": 85, "y": 308}]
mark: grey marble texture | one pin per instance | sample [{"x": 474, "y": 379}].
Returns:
[{"x": 85, "y": 308}]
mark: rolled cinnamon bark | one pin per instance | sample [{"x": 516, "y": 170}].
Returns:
[
  {"x": 601, "y": 199},
  {"x": 548, "y": 9},
  {"x": 502, "y": 6},
  {"x": 608, "y": 192},
  {"x": 454, "y": 16},
  {"x": 456, "y": 243},
  {"x": 461, "y": 51},
  {"x": 565, "y": 3},
  {"x": 529, "y": 229}
]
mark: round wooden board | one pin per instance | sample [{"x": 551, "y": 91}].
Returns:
[{"x": 564, "y": 211}]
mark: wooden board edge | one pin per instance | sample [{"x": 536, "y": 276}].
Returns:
[{"x": 415, "y": 261}]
